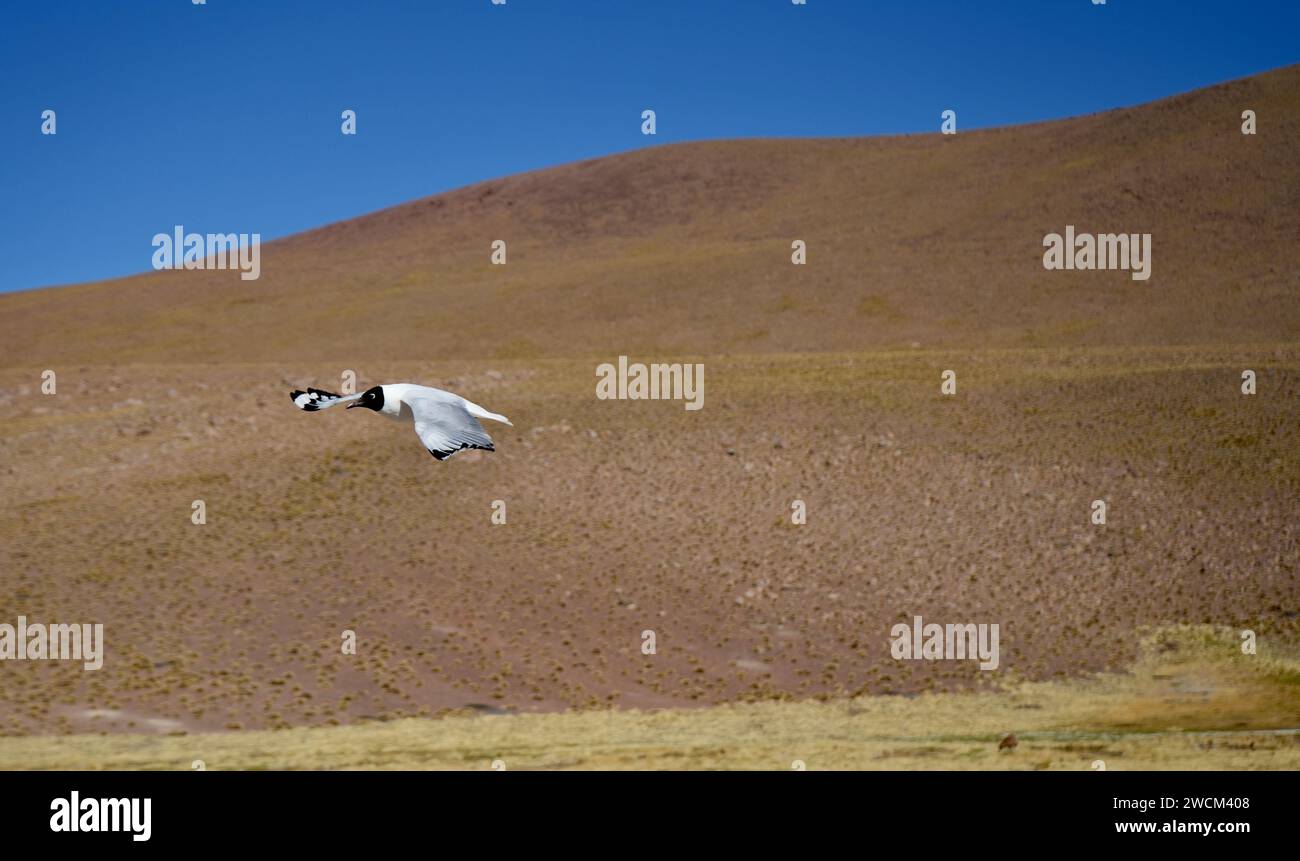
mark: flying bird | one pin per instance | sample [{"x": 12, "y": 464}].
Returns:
[{"x": 444, "y": 422}]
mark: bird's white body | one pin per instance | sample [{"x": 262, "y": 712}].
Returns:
[
  {"x": 445, "y": 422},
  {"x": 398, "y": 398}
]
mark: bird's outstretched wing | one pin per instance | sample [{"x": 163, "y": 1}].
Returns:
[
  {"x": 315, "y": 399},
  {"x": 446, "y": 427}
]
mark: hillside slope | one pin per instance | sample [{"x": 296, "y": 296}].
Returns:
[
  {"x": 633, "y": 516},
  {"x": 685, "y": 248}
]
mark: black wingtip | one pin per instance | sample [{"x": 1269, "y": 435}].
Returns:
[
  {"x": 308, "y": 406},
  {"x": 443, "y": 455}
]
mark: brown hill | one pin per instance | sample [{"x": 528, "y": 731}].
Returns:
[
  {"x": 686, "y": 248},
  {"x": 627, "y": 517}
]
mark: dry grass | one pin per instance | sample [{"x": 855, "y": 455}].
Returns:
[{"x": 1191, "y": 702}]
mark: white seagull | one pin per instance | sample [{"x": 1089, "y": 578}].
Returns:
[{"x": 444, "y": 422}]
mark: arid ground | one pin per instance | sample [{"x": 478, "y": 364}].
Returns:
[{"x": 822, "y": 384}]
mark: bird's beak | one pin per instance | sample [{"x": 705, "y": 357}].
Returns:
[{"x": 353, "y": 404}]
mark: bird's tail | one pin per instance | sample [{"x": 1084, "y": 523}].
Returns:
[{"x": 478, "y": 412}]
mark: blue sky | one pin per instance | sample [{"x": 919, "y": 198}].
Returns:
[{"x": 225, "y": 117}]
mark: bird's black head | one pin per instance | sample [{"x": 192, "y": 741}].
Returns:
[{"x": 371, "y": 399}]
